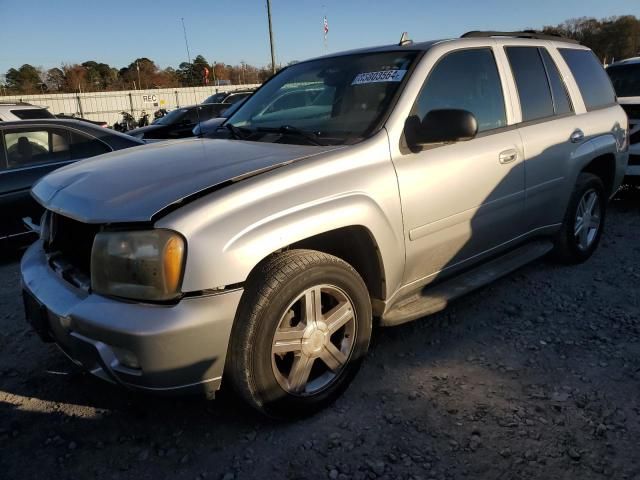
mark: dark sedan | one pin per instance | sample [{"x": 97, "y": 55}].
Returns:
[
  {"x": 179, "y": 123},
  {"x": 29, "y": 149}
]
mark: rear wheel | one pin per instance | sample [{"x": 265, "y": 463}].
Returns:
[
  {"x": 303, "y": 327},
  {"x": 583, "y": 222}
]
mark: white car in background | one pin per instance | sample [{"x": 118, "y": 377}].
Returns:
[
  {"x": 625, "y": 76},
  {"x": 10, "y": 112}
]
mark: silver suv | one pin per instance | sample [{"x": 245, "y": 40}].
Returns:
[
  {"x": 262, "y": 259},
  {"x": 12, "y": 111}
]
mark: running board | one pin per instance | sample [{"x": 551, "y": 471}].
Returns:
[{"x": 433, "y": 299}]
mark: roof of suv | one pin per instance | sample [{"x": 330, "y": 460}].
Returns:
[{"x": 470, "y": 37}]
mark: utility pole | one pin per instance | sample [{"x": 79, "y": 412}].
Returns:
[{"x": 273, "y": 57}]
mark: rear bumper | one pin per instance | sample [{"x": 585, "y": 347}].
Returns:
[{"x": 177, "y": 348}]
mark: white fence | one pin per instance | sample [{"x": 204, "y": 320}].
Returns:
[{"x": 106, "y": 106}]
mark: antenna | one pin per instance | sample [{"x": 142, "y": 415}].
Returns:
[
  {"x": 273, "y": 56},
  {"x": 186, "y": 43}
]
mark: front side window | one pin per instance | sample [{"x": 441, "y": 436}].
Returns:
[
  {"x": 26, "y": 147},
  {"x": 465, "y": 80},
  {"x": 336, "y": 100},
  {"x": 625, "y": 79},
  {"x": 531, "y": 80},
  {"x": 593, "y": 82}
]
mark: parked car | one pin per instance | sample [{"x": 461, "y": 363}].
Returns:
[
  {"x": 178, "y": 123},
  {"x": 209, "y": 127},
  {"x": 263, "y": 258},
  {"x": 29, "y": 149},
  {"x": 625, "y": 76},
  {"x": 64, "y": 116},
  {"x": 229, "y": 97},
  {"x": 10, "y": 111}
]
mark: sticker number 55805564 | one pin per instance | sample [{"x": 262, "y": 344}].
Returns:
[{"x": 382, "y": 76}]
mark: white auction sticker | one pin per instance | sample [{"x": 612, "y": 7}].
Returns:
[{"x": 383, "y": 76}]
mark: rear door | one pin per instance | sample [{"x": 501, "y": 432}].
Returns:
[
  {"x": 547, "y": 123},
  {"x": 29, "y": 154}
]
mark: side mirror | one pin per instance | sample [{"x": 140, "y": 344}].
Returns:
[{"x": 440, "y": 126}]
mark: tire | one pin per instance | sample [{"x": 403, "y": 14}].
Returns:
[
  {"x": 275, "y": 339},
  {"x": 572, "y": 248}
]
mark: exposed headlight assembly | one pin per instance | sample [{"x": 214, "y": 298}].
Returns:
[{"x": 140, "y": 265}]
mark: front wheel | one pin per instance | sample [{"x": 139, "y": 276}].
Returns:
[
  {"x": 302, "y": 330},
  {"x": 584, "y": 221}
]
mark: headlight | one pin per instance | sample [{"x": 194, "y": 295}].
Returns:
[{"x": 141, "y": 265}]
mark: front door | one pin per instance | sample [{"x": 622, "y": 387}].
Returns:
[{"x": 463, "y": 199}]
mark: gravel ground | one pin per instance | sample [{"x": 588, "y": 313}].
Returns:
[{"x": 535, "y": 376}]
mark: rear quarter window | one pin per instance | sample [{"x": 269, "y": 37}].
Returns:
[{"x": 593, "y": 82}]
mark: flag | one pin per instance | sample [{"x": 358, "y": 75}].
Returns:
[{"x": 325, "y": 25}]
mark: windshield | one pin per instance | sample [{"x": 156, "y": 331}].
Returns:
[
  {"x": 336, "y": 100},
  {"x": 216, "y": 98},
  {"x": 172, "y": 117},
  {"x": 626, "y": 79}
]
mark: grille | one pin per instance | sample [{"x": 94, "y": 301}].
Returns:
[
  {"x": 71, "y": 241},
  {"x": 634, "y": 160}
]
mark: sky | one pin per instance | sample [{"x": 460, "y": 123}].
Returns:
[{"x": 48, "y": 33}]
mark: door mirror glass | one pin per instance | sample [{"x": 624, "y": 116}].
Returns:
[{"x": 441, "y": 126}]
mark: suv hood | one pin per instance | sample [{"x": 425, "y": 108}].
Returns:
[{"x": 134, "y": 185}]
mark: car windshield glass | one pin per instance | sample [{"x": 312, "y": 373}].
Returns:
[
  {"x": 216, "y": 98},
  {"x": 626, "y": 79},
  {"x": 172, "y": 117},
  {"x": 336, "y": 99}
]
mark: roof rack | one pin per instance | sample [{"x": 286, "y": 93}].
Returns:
[{"x": 522, "y": 34}]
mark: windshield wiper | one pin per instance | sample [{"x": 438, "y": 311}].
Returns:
[
  {"x": 311, "y": 137},
  {"x": 237, "y": 132}
]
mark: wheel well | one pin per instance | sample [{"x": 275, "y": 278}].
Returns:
[
  {"x": 356, "y": 246},
  {"x": 604, "y": 167}
]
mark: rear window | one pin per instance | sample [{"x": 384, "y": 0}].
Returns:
[
  {"x": 592, "y": 80},
  {"x": 531, "y": 80},
  {"x": 625, "y": 79},
  {"x": 32, "y": 113},
  {"x": 83, "y": 146},
  {"x": 561, "y": 99}
]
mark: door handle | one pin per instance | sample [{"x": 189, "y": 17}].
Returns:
[
  {"x": 508, "y": 156},
  {"x": 577, "y": 136}
]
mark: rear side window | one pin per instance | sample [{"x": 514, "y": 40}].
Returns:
[
  {"x": 83, "y": 146},
  {"x": 531, "y": 80},
  {"x": 561, "y": 100},
  {"x": 26, "y": 147},
  {"x": 593, "y": 82},
  {"x": 467, "y": 80},
  {"x": 32, "y": 113}
]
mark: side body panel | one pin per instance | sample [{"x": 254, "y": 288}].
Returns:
[{"x": 232, "y": 230}]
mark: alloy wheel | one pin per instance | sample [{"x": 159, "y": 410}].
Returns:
[{"x": 313, "y": 340}]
